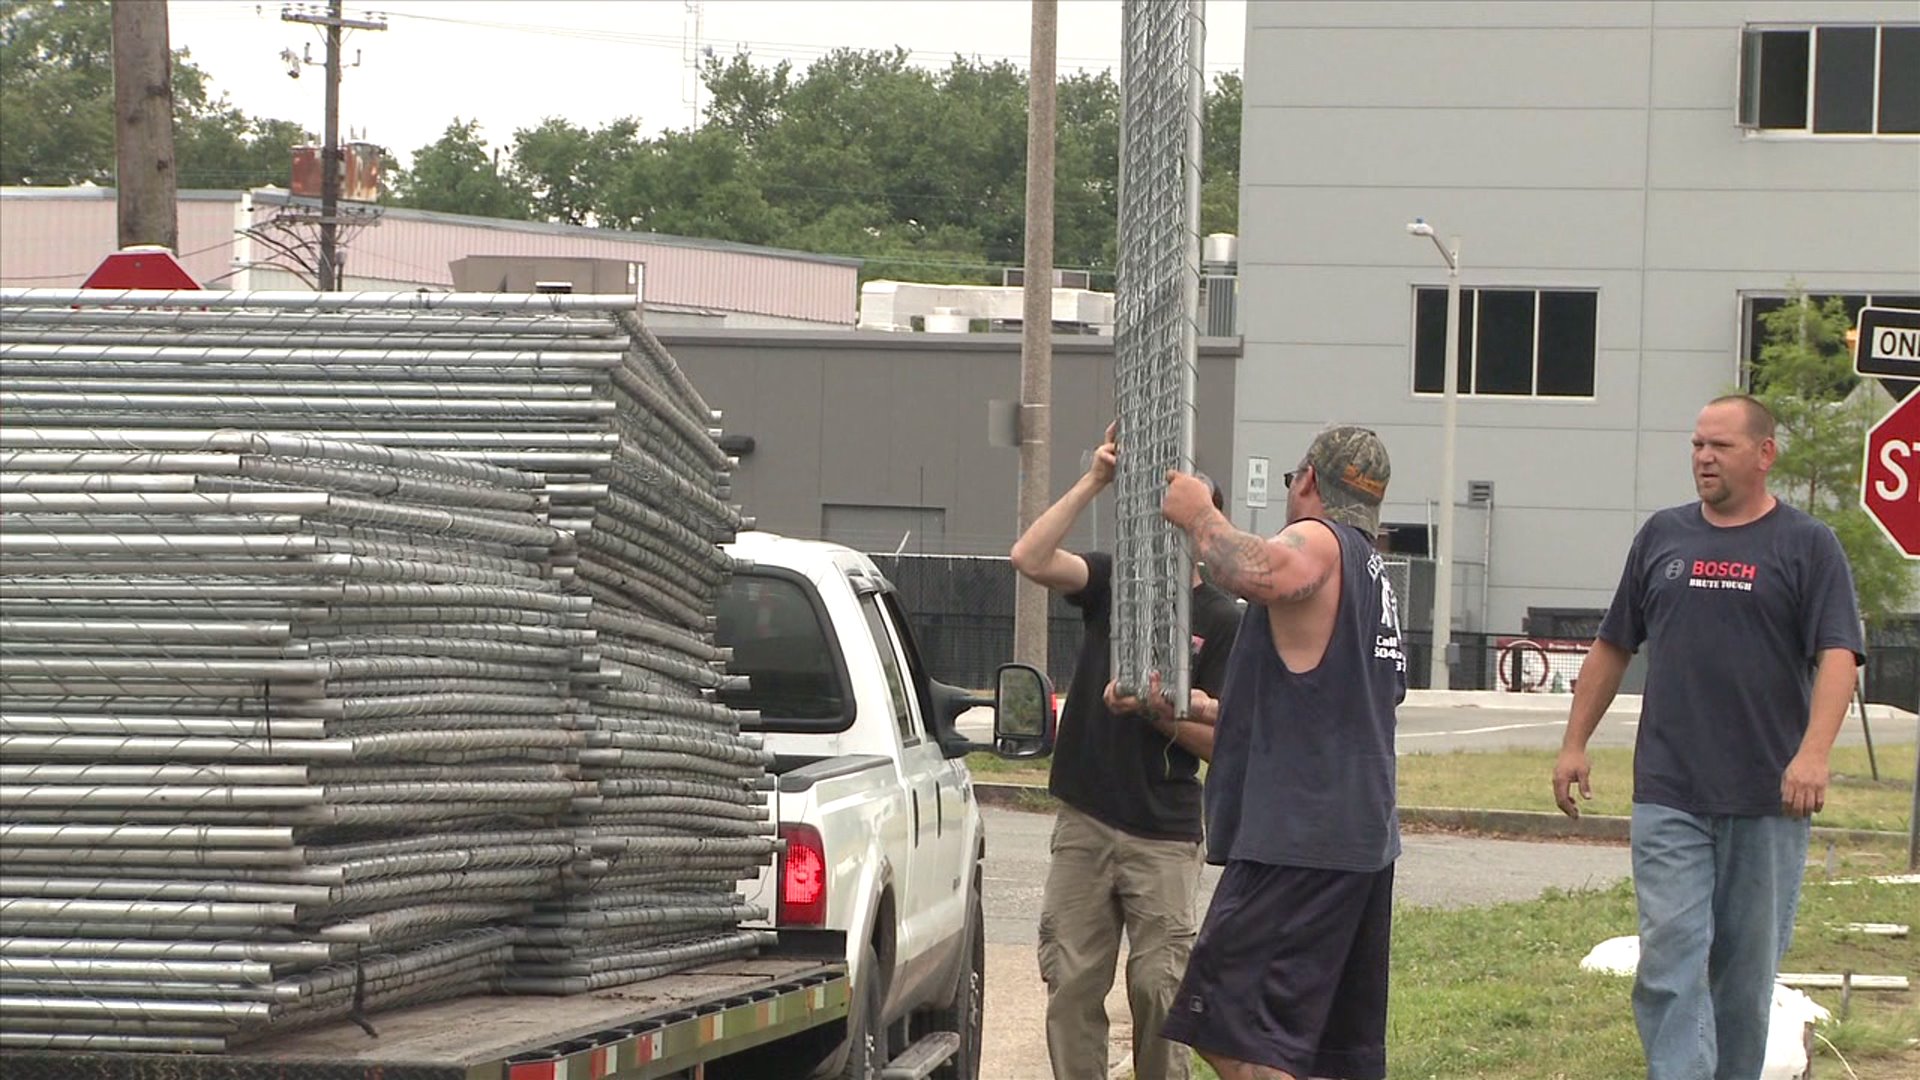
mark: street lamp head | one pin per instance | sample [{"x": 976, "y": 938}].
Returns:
[{"x": 1419, "y": 227}]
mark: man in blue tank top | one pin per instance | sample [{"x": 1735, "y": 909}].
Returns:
[
  {"x": 1289, "y": 975},
  {"x": 1747, "y": 611}
]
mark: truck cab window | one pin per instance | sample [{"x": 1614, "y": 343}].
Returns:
[
  {"x": 897, "y": 690},
  {"x": 780, "y": 641}
]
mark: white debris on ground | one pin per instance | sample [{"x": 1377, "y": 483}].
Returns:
[
  {"x": 1614, "y": 956},
  {"x": 1884, "y": 879},
  {"x": 1787, "y": 1032}
]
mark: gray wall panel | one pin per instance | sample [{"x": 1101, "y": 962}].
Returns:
[
  {"x": 1557, "y": 549},
  {"x": 1447, "y": 14},
  {"x": 1477, "y": 148},
  {"x": 1666, "y": 466},
  {"x": 1697, "y": 68},
  {"x": 1708, "y": 151},
  {"x": 1535, "y": 69},
  {"x": 1679, "y": 384},
  {"x": 1734, "y": 13},
  {"x": 1543, "y": 230},
  {"x": 1798, "y": 232}
]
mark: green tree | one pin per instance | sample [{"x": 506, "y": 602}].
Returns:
[
  {"x": 224, "y": 148},
  {"x": 1220, "y": 156},
  {"x": 1086, "y": 174},
  {"x": 863, "y": 153},
  {"x": 56, "y": 107},
  {"x": 1805, "y": 375},
  {"x": 457, "y": 174},
  {"x": 56, "y": 93},
  {"x": 695, "y": 183},
  {"x": 570, "y": 171}
]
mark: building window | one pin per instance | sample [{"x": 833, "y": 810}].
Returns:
[
  {"x": 1831, "y": 80},
  {"x": 1756, "y": 306},
  {"x": 1513, "y": 342}
]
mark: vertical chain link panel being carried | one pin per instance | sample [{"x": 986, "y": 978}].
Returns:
[{"x": 1158, "y": 284}]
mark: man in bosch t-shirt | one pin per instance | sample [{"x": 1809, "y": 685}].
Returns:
[
  {"x": 1747, "y": 611},
  {"x": 1125, "y": 853}
]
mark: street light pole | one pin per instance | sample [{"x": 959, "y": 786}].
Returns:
[{"x": 1440, "y": 671}]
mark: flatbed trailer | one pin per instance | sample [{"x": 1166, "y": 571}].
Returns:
[{"x": 657, "y": 1028}]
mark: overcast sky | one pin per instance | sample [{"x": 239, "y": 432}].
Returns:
[{"x": 512, "y": 63}]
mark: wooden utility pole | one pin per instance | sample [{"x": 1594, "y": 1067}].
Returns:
[
  {"x": 333, "y": 23},
  {"x": 1036, "y": 329},
  {"x": 143, "y": 124}
]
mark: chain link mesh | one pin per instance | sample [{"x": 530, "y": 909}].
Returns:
[{"x": 1158, "y": 282}]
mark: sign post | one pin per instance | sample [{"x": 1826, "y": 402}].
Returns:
[{"x": 1889, "y": 345}]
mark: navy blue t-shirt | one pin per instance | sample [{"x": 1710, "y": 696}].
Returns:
[
  {"x": 1734, "y": 620},
  {"x": 1119, "y": 769},
  {"x": 1303, "y": 765}
]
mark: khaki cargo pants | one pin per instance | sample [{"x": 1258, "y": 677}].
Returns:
[{"x": 1102, "y": 881}]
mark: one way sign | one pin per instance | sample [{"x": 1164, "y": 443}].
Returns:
[{"x": 1889, "y": 343}]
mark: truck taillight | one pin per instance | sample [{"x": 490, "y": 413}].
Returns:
[{"x": 803, "y": 877}]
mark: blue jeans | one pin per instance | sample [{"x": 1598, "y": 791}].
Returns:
[{"x": 1717, "y": 899}]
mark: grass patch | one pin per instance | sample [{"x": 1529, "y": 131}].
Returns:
[
  {"x": 998, "y": 770},
  {"x": 1497, "y": 993},
  {"x": 1523, "y": 780}
]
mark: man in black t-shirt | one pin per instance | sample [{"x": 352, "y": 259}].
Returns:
[
  {"x": 1746, "y": 608},
  {"x": 1125, "y": 853}
]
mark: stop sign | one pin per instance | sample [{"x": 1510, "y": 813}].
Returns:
[{"x": 1890, "y": 484}]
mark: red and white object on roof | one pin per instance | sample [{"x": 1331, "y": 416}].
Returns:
[{"x": 144, "y": 266}]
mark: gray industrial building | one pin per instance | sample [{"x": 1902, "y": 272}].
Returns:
[
  {"x": 880, "y": 441},
  {"x": 1632, "y": 183}
]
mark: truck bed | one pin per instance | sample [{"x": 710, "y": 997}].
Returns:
[{"x": 649, "y": 1029}]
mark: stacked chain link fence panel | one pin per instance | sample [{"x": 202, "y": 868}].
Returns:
[
  {"x": 357, "y": 651},
  {"x": 1155, "y": 335}
]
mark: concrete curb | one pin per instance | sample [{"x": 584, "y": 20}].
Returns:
[
  {"x": 1624, "y": 705},
  {"x": 1548, "y": 825}
]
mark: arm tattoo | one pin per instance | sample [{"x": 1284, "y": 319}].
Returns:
[
  {"x": 1298, "y": 543},
  {"x": 1242, "y": 564},
  {"x": 1239, "y": 561}
]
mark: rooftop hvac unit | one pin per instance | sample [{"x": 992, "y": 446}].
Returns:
[
  {"x": 1062, "y": 279},
  {"x": 1219, "y": 305},
  {"x": 1220, "y": 249}
]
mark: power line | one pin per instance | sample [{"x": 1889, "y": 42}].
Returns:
[
  {"x": 83, "y": 273},
  {"x": 790, "y": 49}
]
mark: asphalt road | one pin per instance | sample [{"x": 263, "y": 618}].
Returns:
[
  {"x": 1442, "y": 728},
  {"x": 1434, "y": 871}
]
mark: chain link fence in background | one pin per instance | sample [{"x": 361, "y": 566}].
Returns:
[{"x": 961, "y": 610}]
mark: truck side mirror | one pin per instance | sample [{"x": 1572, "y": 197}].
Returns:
[{"x": 1023, "y": 717}]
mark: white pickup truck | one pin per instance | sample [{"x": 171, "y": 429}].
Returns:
[{"x": 884, "y": 838}]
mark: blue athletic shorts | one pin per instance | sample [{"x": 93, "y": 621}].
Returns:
[{"x": 1290, "y": 972}]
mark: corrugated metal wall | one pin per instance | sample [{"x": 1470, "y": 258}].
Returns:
[
  {"x": 53, "y": 237},
  {"x": 50, "y": 241}
]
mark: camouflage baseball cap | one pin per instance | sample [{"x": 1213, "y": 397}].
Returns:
[{"x": 1350, "y": 465}]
